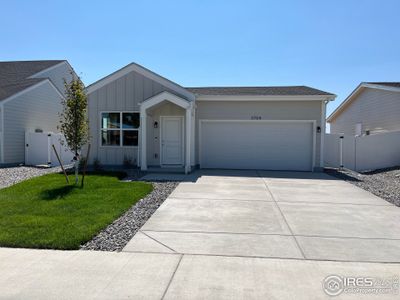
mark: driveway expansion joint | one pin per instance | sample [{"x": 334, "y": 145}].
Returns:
[
  {"x": 214, "y": 199},
  {"x": 157, "y": 241},
  {"x": 283, "y": 217},
  {"x": 172, "y": 277}
]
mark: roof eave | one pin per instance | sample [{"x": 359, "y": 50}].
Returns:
[{"x": 200, "y": 97}]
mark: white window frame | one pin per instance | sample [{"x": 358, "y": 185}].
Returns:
[{"x": 121, "y": 130}]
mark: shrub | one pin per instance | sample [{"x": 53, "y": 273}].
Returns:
[{"x": 127, "y": 162}]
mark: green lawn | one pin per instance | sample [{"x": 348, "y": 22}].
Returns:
[{"x": 45, "y": 212}]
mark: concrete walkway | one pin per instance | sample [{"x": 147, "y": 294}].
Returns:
[
  {"x": 47, "y": 274},
  {"x": 230, "y": 235}
]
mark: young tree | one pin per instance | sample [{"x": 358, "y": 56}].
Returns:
[{"x": 74, "y": 122}]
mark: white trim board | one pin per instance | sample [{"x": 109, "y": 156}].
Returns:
[
  {"x": 313, "y": 123},
  {"x": 143, "y": 71},
  {"x": 37, "y": 75},
  {"x": 164, "y": 96}
]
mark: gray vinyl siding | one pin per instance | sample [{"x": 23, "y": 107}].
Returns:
[
  {"x": 123, "y": 94},
  {"x": 268, "y": 110},
  {"x": 377, "y": 111},
  {"x": 57, "y": 75},
  {"x": 35, "y": 109},
  {"x": 1, "y": 133}
]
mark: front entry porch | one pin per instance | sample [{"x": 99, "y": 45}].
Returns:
[{"x": 166, "y": 133}]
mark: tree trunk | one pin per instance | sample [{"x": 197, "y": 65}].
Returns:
[{"x": 76, "y": 166}]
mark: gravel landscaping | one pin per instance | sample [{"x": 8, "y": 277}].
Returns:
[
  {"x": 384, "y": 183},
  {"x": 13, "y": 175},
  {"x": 121, "y": 231}
]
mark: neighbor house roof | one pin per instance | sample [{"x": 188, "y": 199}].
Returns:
[
  {"x": 258, "y": 90},
  {"x": 389, "y": 86},
  {"x": 14, "y": 75},
  {"x": 393, "y": 84}
]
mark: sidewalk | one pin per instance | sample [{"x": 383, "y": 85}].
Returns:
[{"x": 49, "y": 274}]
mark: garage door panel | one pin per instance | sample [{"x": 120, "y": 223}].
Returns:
[{"x": 256, "y": 145}]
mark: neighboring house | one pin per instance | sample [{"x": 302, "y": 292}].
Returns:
[
  {"x": 30, "y": 100},
  {"x": 373, "y": 107},
  {"x": 138, "y": 115}
]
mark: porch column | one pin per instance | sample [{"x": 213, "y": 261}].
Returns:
[
  {"x": 188, "y": 128},
  {"x": 143, "y": 140}
]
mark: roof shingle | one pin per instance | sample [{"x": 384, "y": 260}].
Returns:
[
  {"x": 14, "y": 75},
  {"x": 393, "y": 84},
  {"x": 258, "y": 90}
]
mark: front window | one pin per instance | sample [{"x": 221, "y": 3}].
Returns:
[{"x": 120, "y": 128}]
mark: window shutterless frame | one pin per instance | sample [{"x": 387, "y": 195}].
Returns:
[{"x": 120, "y": 129}]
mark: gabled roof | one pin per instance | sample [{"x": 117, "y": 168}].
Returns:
[
  {"x": 143, "y": 71},
  {"x": 14, "y": 75},
  {"x": 258, "y": 91},
  {"x": 388, "y": 86},
  {"x": 298, "y": 92}
]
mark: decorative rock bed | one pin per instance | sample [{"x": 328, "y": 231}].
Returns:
[
  {"x": 121, "y": 231},
  {"x": 384, "y": 183},
  {"x": 13, "y": 175}
]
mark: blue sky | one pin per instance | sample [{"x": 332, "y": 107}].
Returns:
[{"x": 330, "y": 45}]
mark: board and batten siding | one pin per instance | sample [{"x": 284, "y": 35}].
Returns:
[
  {"x": 122, "y": 94},
  {"x": 377, "y": 111},
  {"x": 57, "y": 74},
  {"x": 1, "y": 134},
  {"x": 35, "y": 109},
  {"x": 267, "y": 110}
]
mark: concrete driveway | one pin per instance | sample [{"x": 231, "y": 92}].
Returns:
[
  {"x": 231, "y": 235},
  {"x": 272, "y": 215}
]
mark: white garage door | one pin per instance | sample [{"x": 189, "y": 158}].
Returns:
[{"x": 265, "y": 145}]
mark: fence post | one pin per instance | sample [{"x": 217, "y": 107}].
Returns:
[
  {"x": 341, "y": 151},
  {"x": 355, "y": 153},
  {"x": 49, "y": 143}
]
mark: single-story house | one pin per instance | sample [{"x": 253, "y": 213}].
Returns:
[
  {"x": 373, "y": 107},
  {"x": 30, "y": 100},
  {"x": 139, "y": 115}
]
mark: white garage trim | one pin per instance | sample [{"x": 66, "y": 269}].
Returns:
[{"x": 313, "y": 123}]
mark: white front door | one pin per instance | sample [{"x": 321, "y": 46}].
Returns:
[{"x": 171, "y": 140}]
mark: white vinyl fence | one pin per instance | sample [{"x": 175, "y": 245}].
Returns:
[
  {"x": 39, "y": 150},
  {"x": 362, "y": 153}
]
